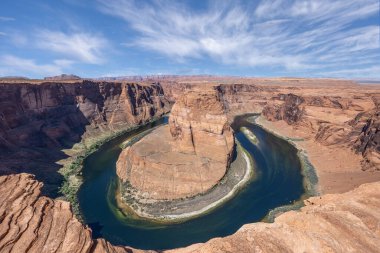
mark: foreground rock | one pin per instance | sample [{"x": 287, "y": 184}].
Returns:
[
  {"x": 31, "y": 223},
  {"x": 186, "y": 158},
  {"x": 348, "y": 222}
]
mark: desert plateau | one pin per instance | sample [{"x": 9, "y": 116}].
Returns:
[{"x": 189, "y": 126}]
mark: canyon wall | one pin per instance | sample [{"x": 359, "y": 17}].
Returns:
[
  {"x": 38, "y": 120},
  {"x": 334, "y": 113}
]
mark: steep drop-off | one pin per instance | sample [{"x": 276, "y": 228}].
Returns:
[{"x": 38, "y": 120}]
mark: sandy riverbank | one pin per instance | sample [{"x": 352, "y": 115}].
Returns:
[{"x": 338, "y": 169}]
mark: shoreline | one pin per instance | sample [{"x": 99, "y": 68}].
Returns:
[
  {"x": 178, "y": 218},
  {"x": 311, "y": 180},
  {"x": 338, "y": 169},
  {"x": 73, "y": 164}
]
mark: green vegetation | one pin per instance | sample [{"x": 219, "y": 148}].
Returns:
[{"x": 72, "y": 170}]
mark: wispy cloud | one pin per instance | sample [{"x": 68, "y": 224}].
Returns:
[
  {"x": 2, "y": 34},
  {"x": 13, "y": 65},
  {"x": 2, "y": 18},
  {"x": 290, "y": 35},
  {"x": 80, "y": 46}
]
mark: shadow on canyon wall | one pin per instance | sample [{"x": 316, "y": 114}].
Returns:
[{"x": 39, "y": 121}]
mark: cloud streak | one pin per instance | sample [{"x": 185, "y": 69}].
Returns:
[
  {"x": 81, "y": 46},
  {"x": 13, "y": 65},
  {"x": 298, "y": 36}
]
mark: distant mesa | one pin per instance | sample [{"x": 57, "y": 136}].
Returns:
[
  {"x": 63, "y": 77},
  {"x": 14, "y": 78}
]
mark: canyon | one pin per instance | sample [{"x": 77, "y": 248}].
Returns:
[
  {"x": 335, "y": 122},
  {"x": 39, "y": 121},
  {"x": 194, "y": 151}
]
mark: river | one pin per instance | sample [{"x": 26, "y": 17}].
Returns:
[{"x": 278, "y": 181}]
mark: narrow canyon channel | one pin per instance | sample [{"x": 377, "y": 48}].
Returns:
[{"x": 278, "y": 181}]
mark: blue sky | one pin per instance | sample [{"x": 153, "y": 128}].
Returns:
[{"x": 317, "y": 38}]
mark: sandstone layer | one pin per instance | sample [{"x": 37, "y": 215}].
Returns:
[
  {"x": 185, "y": 158},
  {"x": 35, "y": 224},
  {"x": 348, "y": 222},
  {"x": 39, "y": 120},
  {"x": 334, "y": 121}
]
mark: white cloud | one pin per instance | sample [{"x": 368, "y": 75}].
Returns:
[
  {"x": 81, "y": 46},
  {"x": 2, "y": 34},
  {"x": 299, "y": 35},
  {"x": 13, "y": 65}
]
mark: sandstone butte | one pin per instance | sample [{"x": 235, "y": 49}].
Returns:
[
  {"x": 348, "y": 222},
  {"x": 185, "y": 158}
]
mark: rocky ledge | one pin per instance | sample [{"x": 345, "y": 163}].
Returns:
[
  {"x": 31, "y": 223},
  {"x": 185, "y": 158}
]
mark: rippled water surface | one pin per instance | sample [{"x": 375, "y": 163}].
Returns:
[{"x": 278, "y": 181}]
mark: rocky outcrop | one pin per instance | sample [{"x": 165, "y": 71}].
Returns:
[
  {"x": 326, "y": 224},
  {"x": 194, "y": 150},
  {"x": 198, "y": 124},
  {"x": 329, "y": 120},
  {"x": 367, "y": 142},
  {"x": 290, "y": 110},
  {"x": 35, "y": 224},
  {"x": 31, "y": 223},
  {"x": 38, "y": 120}
]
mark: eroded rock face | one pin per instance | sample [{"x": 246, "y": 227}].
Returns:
[
  {"x": 31, "y": 223},
  {"x": 187, "y": 157},
  {"x": 198, "y": 124},
  {"x": 326, "y": 224},
  {"x": 291, "y": 110},
  {"x": 38, "y": 120},
  {"x": 368, "y": 140}
]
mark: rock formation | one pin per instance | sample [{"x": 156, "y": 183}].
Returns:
[
  {"x": 324, "y": 124},
  {"x": 38, "y": 120},
  {"x": 331, "y": 118},
  {"x": 352, "y": 125},
  {"x": 35, "y": 224},
  {"x": 187, "y": 157},
  {"x": 348, "y": 222},
  {"x": 368, "y": 140},
  {"x": 290, "y": 110}
]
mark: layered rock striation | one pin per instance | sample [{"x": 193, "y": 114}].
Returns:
[
  {"x": 35, "y": 224},
  {"x": 38, "y": 120},
  {"x": 185, "y": 158}
]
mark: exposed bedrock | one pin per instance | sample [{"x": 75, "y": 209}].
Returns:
[
  {"x": 332, "y": 121},
  {"x": 368, "y": 141},
  {"x": 38, "y": 120},
  {"x": 348, "y": 222},
  {"x": 185, "y": 158}
]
